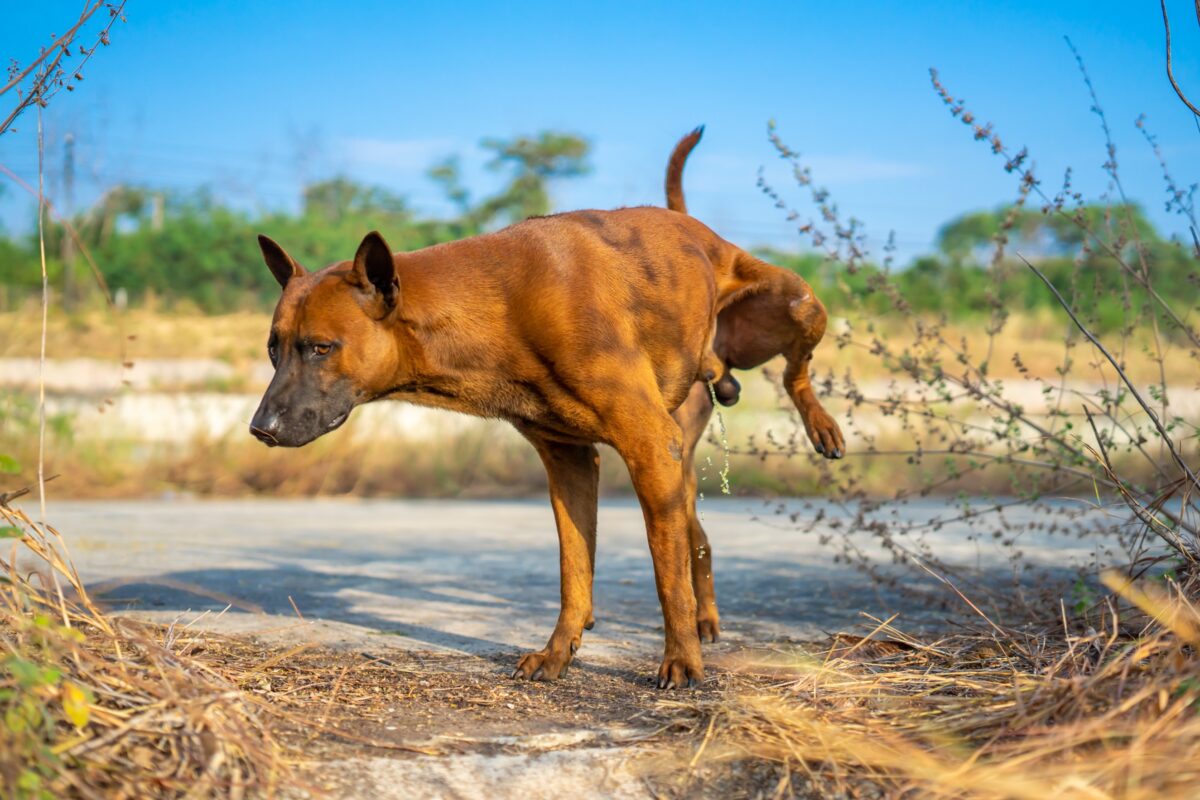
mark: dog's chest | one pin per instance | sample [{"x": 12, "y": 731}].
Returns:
[{"x": 529, "y": 405}]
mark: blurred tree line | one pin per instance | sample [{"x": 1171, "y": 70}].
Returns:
[
  {"x": 966, "y": 278},
  {"x": 193, "y": 248}
]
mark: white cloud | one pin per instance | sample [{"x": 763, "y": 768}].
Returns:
[
  {"x": 859, "y": 169},
  {"x": 721, "y": 171},
  {"x": 395, "y": 155}
]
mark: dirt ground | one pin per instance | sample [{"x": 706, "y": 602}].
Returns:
[{"x": 456, "y": 726}]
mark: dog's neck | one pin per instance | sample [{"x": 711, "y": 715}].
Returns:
[
  {"x": 445, "y": 328},
  {"x": 460, "y": 339}
]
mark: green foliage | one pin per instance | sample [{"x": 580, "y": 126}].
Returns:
[
  {"x": 41, "y": 708},
  {"x": 532, "y": 162},
  {"x": 1039, "y": 235},
  {"x": 964, "y": 281},
  {"x": 1083, "y": 597},
  {"x": 190, "y": 247},
  {"x": 19, "y": 421}
]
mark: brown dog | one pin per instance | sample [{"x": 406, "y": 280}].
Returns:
[{"x": 578, "y": 328}]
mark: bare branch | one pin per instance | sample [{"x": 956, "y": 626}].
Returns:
[
  {"x": 1170, "y": 73},
  {"x": 1162, "y": 431},
  {"x": 48, "y": 73},
  {"x": 60, "y": 44}
]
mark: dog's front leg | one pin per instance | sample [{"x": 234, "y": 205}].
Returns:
[
  {"x": 574, "y": 473},
  {"x": 654, "y": 452}
]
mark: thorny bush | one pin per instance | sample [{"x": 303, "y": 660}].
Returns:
[{"x": 1081, "y": 430}]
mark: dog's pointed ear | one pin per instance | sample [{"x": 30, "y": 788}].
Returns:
[
  {"x": 283, "y": 266},
  {"x": 374, "y": 273}
]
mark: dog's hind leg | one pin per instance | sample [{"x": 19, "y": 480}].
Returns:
[
  {"x": 574, "y": 473},
  {"x": 650, "y": 442},
  {"x": 776, "y": 313},
  {"x": 822, "y": 430},
  {"x": 693, "y": 418}
]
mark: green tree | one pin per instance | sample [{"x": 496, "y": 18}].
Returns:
[
  {"x": 533, "y": 162},
  {"x": 971, "y": 236}
]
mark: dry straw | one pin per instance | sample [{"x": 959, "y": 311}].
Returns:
[
  {"x": 95, "y": 706},
  {"x": 1110, "y": 712}
]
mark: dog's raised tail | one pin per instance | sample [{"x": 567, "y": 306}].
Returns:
[{"x": 674, "y": 182}]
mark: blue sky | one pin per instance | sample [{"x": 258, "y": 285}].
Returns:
[{"x": 254, "y": 98}]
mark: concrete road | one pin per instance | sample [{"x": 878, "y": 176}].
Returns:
[{"x": 482, "y": 577}]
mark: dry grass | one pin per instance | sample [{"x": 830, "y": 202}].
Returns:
[
  {"x": 1037, "y": 339},
  {"x": 99, "y": 707},
  {"x": 239, "y": 338},
  {"x": 473, "y": 464},
  {"x": 93, "y": 705},
  {"x": 480, "y": 462},
  {"x": 1109, "y": 710},
  {"x": 157, "y": 333}
]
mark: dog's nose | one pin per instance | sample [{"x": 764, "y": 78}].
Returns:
[
  {"x": 264, "y": 427},
  {"x": 263, "y": 436}
]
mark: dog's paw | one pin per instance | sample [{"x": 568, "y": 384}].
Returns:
[
  {"x": 824, "y": 433},
  {"x": 709, "y": 628},
  {"x": 544, "y": 665},
  {"x": 680, "y": 671}
]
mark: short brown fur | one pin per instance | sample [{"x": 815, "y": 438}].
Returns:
[{"x": 579, "y": 328}]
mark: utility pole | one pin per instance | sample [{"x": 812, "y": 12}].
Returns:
[{"x": 67, "y": 210}]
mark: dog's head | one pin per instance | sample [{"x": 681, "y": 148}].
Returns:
[{"x": 330, "y": 343}]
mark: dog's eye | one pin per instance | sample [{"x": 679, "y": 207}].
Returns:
[
  {"x": 321, "y": 349},
  {"x": 273, "y": 354}
]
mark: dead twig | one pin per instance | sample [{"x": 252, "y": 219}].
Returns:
[
  {"x": 47, "y": 68},
  {"x": 1170, "y": 72},
  {"x": 1091, "y": 337}
]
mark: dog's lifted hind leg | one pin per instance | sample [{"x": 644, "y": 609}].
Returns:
[
  {"x": 777, "y": 313},
  {"x": 823, "y": 431}
]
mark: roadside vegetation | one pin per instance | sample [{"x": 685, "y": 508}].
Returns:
[{"x": 921, "y": 358}]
